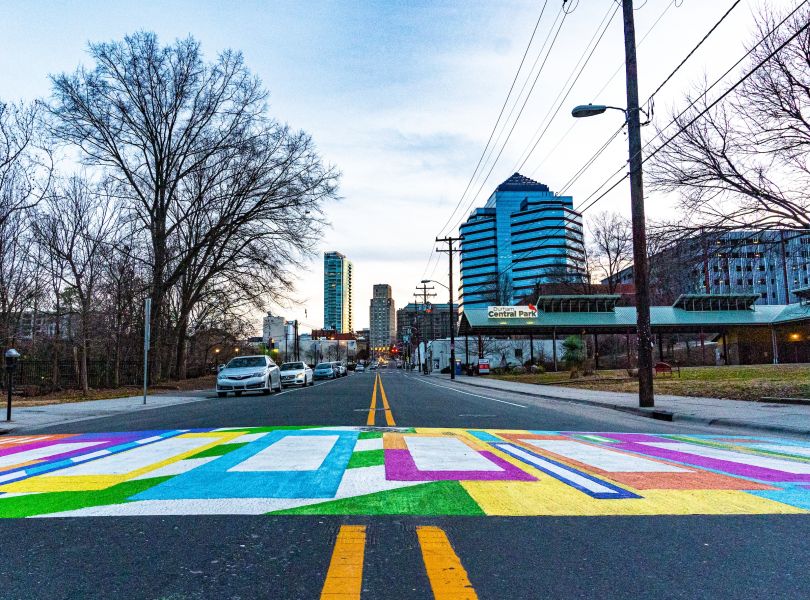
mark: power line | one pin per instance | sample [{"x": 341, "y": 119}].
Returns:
[
  {"x": 598, "y": 94},
  {"x": 596, "y": 155},
  {"x": 606, "y": 20},
  {"x": 523, "y": 106},
  {"x": 500, "y": 114},
  {"x": 699, "y": 115}
]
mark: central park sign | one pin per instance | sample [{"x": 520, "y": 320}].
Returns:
[{"x": 512, "y": 312}]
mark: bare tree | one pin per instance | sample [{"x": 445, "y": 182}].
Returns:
[
  {"x": 744, "y": 163},
  {"x": 200, "y": 164},
  {"x": 77, "y": 222},
  {"x": 611, "y": 246},
  {"x": 26, "y": 164}
]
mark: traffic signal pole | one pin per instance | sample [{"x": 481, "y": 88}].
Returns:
[{"x": 449, "y": 241}]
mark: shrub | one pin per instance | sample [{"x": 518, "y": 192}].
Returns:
[{"x": 573, "y": 353}]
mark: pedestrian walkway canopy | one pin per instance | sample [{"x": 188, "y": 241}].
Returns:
[{"x": 690, "y": 313}]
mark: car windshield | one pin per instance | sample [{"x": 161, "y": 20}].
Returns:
[
  {"x": 247, "y": 361},
  {"x": 292, "y": 366},
  {"x": 324, "y": 366}
]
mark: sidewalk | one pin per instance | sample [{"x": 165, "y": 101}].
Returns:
[
  {"x": 33, "y": 417},
  {"x": 773, "y": 417}
]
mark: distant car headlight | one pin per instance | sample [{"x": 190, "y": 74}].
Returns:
[{"x": 257, "y": 374}]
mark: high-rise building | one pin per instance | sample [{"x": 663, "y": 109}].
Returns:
[
  {"x": 337, "y": 293},
  {"x": 425, "y": 321},
  {"x": 524, "y": 235},
  {"x": 382, "y": 326},
  {"x": 772, "y": 264}
]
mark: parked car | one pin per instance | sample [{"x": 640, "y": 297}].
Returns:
[
  {"x": 373, "y": 367},
  {"x": 360, "y": 369},
  {"x": 249, "y": 374},
  {"x": 340, "y": 368},
  {"x": 325, "y": 370},
  {"x": 296, "y": 373}
]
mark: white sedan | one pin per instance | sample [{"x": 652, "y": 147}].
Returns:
[
  {"x": 248, "y": 374},
  {"x": 296, "y": 373}
]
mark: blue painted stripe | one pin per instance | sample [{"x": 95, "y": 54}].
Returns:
[{"x": 616, "y": 492}]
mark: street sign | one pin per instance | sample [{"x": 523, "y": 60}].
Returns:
[
  {"x": 512, "y": 312},
  {"x": 483, "y": 366}
]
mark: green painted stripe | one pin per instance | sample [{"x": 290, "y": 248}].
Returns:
[
  {"x": 434, "y": 498},
  {"x": 367, "y": 458}
]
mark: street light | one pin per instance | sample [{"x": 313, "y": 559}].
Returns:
[
  {"x": 434, "y": 281},
  {"x": 591, "y": 110},
  {"x": 11, "y": 361}
]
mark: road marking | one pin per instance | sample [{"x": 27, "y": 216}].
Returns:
[
  {"x": 469, "y": 393},
  {"x": 291, "y": 453},
  {"x": 446, "y": 454},
  {"x": 389, "y": 417},
  {"x": 372, "y": 409},
  {"x": 344, "y": 579},
  {"x": 448, "y": 578}
]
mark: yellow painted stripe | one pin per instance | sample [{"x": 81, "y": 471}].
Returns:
[
  {"x": 344, "y": 579},
  {"x": 447, "y": 576},
  {"x": 372, "y": 411},
  {"x": 389, "y": 417}
]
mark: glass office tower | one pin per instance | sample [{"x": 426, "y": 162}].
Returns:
[{"x": 337, "y": 293}]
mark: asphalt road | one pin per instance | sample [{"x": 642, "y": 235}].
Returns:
[{"x": 240, "y": 557}]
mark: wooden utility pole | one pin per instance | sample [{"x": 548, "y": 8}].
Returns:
[
  {"x": 450, "y": 250},
  {"x": 640, "y": 268}
]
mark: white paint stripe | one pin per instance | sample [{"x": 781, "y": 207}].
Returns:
[
  {"x": 137, "y": 458},
  {"x": 44, "y": 452},
  {"x": 148, "y": 440},
  {"x": 372, "y": 444},
  {"x": 469, "y": 394},
  {"x": 784, "y": 449},
  {"x": 92, "y": 455},
  {"x": 291, "y": 453},
  {"x": 603, "y": 458},
  {"x": 248, "y": 437},
  {"x": 12, "y": 476},
  {"x": 576, "y": 478},
  {"x": 777, "y": 464},
  {"x": 446, "y": 454},
  {"x": 177, "y": 467}
]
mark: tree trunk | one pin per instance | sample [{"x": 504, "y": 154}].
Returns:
[{"x": 181, "y": 358}]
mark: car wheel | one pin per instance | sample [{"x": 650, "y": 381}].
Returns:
[
  {"x": 312, "y": 382},
  {"x": 222, "y": 394}
]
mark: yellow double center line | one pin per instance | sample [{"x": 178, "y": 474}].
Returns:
[
  {"x": 447, "y": 576},
  {"x": 372, "y": 411}
]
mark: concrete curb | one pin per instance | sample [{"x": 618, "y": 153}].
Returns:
[
  {"x": 30, "y": 427},
  {"x": 652, "y": 413}
]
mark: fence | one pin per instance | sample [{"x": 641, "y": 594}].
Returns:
[{"x": 49, "y": 374}]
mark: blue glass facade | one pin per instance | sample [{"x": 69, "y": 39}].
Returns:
[
  {"x": 337, "y": 292},
  {"x": 524, "y": 235}
]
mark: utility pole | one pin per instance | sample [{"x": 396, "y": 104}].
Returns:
[
  {"x": 425, "y": 295},
  {"x": 640, "y": 268},
  {"x": 449, "y": 241}
]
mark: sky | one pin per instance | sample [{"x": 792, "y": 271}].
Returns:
[{"x": 401, "y": 96}]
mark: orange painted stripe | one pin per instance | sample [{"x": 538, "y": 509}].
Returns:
[
  {"x": 447, "y": 576},
  {"x": 344, "y": 579},
  {"x": 372, "y": 411},
  {"x": 389, "y": 417}
]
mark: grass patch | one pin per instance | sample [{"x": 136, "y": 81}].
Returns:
[{"x": 735, "y": 382}]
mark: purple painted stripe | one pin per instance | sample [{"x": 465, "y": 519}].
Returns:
[
  {"x": 400, "y": 466},
  {"x": 725, "y": 466}
]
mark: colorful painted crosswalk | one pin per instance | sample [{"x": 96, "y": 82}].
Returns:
[{"x": 383, "y": 471}]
